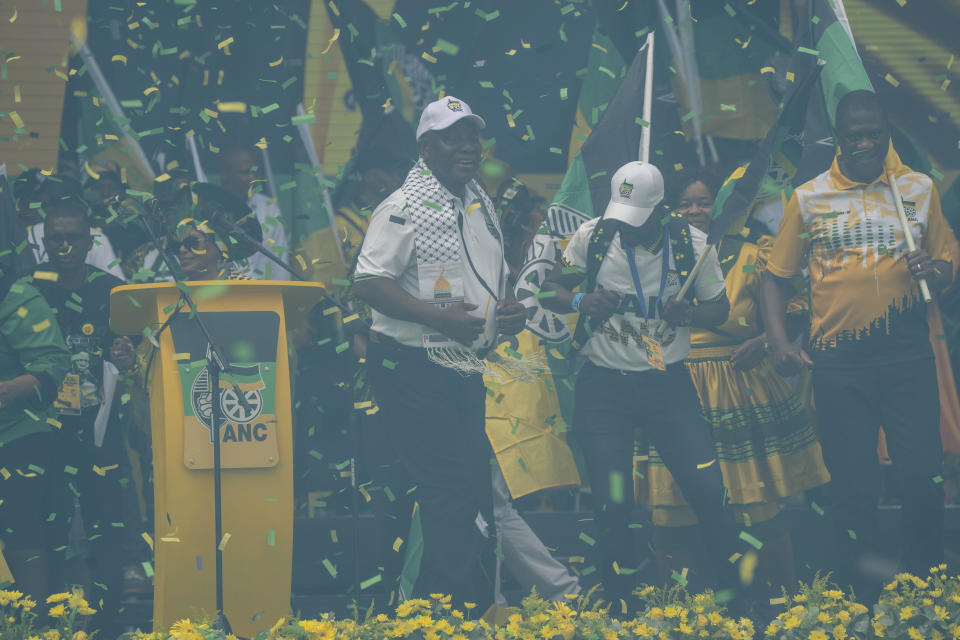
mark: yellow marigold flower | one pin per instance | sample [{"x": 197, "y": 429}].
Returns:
[
  {"x": 824, "y": 617},
  {"x": 907, "y": 612},
  {"x": 857, "y": 609},
  {"x": 468, "y": 626},
  {"x": 456, "y": 613},
  {"x": 792, "y": 622},
  {"x": 771, "y": 629},
  {"x": 914, "y": 634},
  {"x": 800, "y": 597},
  {"x": 714, "y": 617},
  {"x": 839, "y": 632},
  {"x": 843, "y": 617},
  {"x": 833, "y": 594},
  {"x": 941, "y": 612},
  {"x": 27, "y": 603},
  {"x": 469, "y": 605},
  {"x": 644, "y": 631},
  {"x": 53, "y": 634},
  {"x": 58, "y": 597},
  {"x": 671, "y": 611},
  {"x": 57, "y": 611},
  {"x": 879, "y": 630},
  {"x": 80, "y": 635},
  {"x": 656, "y": 613},
  {"x": 817, "y": 634}
]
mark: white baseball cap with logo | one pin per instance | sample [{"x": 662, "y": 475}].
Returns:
[
  {"x": 635, "y": 191},
  {"x": 443, "y": 113}
]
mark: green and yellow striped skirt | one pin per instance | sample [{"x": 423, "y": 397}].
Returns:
[{"x": 767, "y": 446}]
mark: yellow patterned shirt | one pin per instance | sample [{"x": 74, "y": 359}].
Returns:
[{"x": 865, "y": 306}]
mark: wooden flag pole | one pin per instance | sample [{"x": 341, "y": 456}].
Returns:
[{"x": 905, "y": 225}]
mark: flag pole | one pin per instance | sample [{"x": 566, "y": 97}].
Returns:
[
  {"x": 646, "y": 132},
  {"x": 110, "y": 99},
  {"x": 311, "y": 150},
  {"x": 905, "y": 225}
]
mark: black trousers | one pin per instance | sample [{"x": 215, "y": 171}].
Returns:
[
  {"x": 852, "y": 403},
  {"x": 609, "y": 407},
  {"x": 94, "y": 475},
  {"x": 435, "y": 418}
]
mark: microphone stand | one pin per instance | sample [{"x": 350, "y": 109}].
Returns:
[
  {"x": 235, "y": 230},
  {"x": 216, "y": 364}
]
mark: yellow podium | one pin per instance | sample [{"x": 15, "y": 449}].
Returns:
[{"x": 249, "y": 321}]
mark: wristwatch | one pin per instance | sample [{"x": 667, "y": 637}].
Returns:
[{"x": 577, "y": 298}]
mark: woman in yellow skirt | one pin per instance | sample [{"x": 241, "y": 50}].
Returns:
[{"x": 767, "y": 447}]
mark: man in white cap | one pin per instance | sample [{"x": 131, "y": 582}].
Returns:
[
  {"x": 635, "y": 262},
  {"x": 432, "y": 268}
]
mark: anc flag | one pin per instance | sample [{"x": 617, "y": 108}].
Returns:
[
  {"x": 585, "y": 189},
  {"x": 737, "y": 195},
  {"x": 825, "y": 34}
]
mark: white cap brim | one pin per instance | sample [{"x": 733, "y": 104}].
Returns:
[
  {"x": 634, "y": 216},
  {"x": 454, "y": 120}
]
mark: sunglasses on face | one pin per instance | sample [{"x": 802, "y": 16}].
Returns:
[
  {"x": 65, "y": 238},
  {"x": 192, "y": 243}
]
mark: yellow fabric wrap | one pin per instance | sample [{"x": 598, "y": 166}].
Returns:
[{"x": 526, "y": 428}]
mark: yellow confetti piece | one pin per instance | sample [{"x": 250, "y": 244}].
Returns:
[
  {"x": 473, "y": 207},
  {"x": 17, "y": 120},
  {"x": 706, "y": 464},
  {"x": 150, "y": 90},
  {"x": 950, "y": 63},
  {"x": 780, "y": 600},
  {"x": 512, "y": 52},
  {"x": 429, "y": 58},
  {"x": 333, "y": 38},
  {"x": 351, "y": 318},
  {"x": 163, "y": 177},
  {"x": 789, "y": 76},
  {"x": 365, "y": 494},
  {"x": 22, "y": 312},
  {"x": 232, "y": 107},
  {"x": 301, "y": 262},
  {"x": 889, "y": 78},
  {"x": 510, "y": 121},
  {"x": 13, "y": 18},
  {"x": 90, "y": 172},
  {"x": 225, "y": 539},
  {"x": 50, "y": 276},
  {"x": 146, "y": 538},
  {"x": 333, "y": 535},
  {"x": 119, "y": 57},
  {"x": 333, "y": 8},
  {"x": 5, "y": 473},
  {"x": 902, "y": 3},
  {"x": 525, "y": 45},
  {"x": 181, "y": 356},
  {"x": 225, "y": 43},
  {"x": 596, "y": 46},
  {"x": 53, "y": 422},
  {"x": 277, "y": 63},
  {"x": 43, "y": 325},
  {"x": 765, "y": 70},
  {"x": 16, "y": 93},
  {"x": 363, "y": 405},
  {"x": 169, "y": 539}
]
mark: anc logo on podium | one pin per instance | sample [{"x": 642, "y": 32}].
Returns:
[{"x": 248, "y": 424}]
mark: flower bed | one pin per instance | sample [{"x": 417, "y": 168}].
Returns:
[{"x": 910, "y": 608}]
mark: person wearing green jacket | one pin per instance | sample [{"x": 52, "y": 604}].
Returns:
[{"x": 33, "y": 361}]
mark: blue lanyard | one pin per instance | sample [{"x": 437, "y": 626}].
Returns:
[{"x": 664, "y": 267}]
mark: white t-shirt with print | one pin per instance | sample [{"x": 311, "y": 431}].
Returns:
[
  {"x": 389, "y": 251},
  {"x": 617, "y": 343}
]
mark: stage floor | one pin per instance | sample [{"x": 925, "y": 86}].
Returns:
[{"x": 316, "y": 591}]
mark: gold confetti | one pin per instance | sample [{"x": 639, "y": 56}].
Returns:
[
  {"x": 119, "y": 58},
  {"x": 706, "y": 464},
  {"x": 13, "y": 18},
  {"x": 276, "y": 63},
  {"x": 223, "y": 541},
  {"x": 397, "y": 544},
  {"x": 225, "y": 43},
  {"x": 43, "y": 325},
  {"x": 17, "y": 120},
  {"x": 333, "y": 38},
  {"x": 889, "y": 78}
]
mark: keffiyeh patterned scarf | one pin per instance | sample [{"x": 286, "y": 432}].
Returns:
[{"x": 438, "y": 243}]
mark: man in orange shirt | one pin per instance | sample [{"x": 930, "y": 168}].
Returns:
[{"x": 868, "y": 344}]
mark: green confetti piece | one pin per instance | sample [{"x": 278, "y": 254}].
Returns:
[
  {"x": 616, "y": 487},
  {"x": 641, "y": 122},
  {"x": 370, "y": 582},
  {"x": 588, "y": 570},
  {"x": 400, "y": 20},
  {"x": 812, "y": 52},
  {"x": 513, "y": 353},
  {"x": 147, "y": 569},
  {"x": 271, "y": 538},
  {"x": 493, "y": 15},
  {"x": 816, "y": 508},
  {"x": 340, "y": 282},
  {"x": 729, "y": 10},
  {"x": 32, "y": 415},
  {"x": 307, "y": 118},
  {"x": 635, "y": 525},
  {"x": 749, "y": 268},
  {"x": 269, "y": 108},
  {"x": 590, "y": 541},
  {"x": 316, "y": 454},
  {"x": 563, "y": 93},
  {"x": 432, "y": 205},
  {"x": 752, "y": 541},
  {"x": 852, "y": 534},
  {"x": 486, "y": 84},
  {"x": 330, "y": 568},
  {"x": 36, "y": 469},
  {"x": 679, "y": 579},
  {"x": 556, "y": 150},
  {"x": 71, "y": 470},
  {"x": 389, "y": 364},
  {"x": 447, "y": 47},
  {"x": 938, "y": 479},
  {"x": 688, "y": 115},
  {"x": 343, "y": 346}
]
